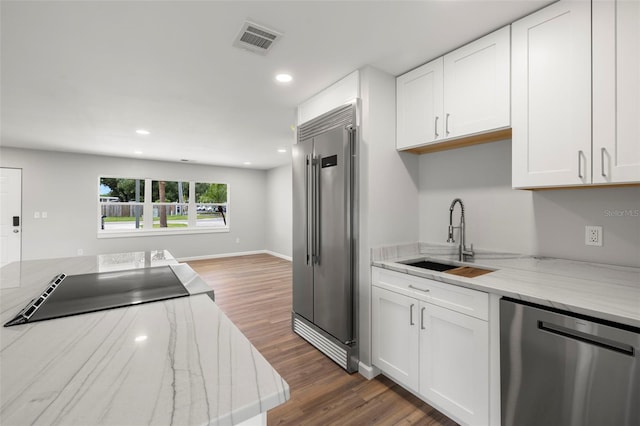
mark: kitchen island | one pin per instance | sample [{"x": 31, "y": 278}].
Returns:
[{"x": 178, "y": 361}]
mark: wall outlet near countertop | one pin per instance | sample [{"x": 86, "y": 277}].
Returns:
[{"x": 593, "y": 235}]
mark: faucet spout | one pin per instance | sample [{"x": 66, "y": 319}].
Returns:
[{"x": 463, "y": 251}]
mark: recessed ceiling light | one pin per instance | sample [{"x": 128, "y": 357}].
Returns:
[
  {"x": 282, "y": 150},
  {"x": 247, "y": 163},
  {"x": 142, "y": 132},
  {"x": 284, "y": 78},
  {"x": 140, "y": 338},
  {"x": 137, "y": 152}
]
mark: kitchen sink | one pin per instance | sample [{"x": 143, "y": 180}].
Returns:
[{"x": 434, "y": 266}]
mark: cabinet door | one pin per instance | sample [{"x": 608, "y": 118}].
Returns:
[
  {"x": 419, "y": 105},
  {"x": 477, "y": 89},
  {"x": 551, "y": 103},
  {"x": 395, "y": 336},
  {"x": 616, "y": 91},
  {"x": 454, "y": 363}
]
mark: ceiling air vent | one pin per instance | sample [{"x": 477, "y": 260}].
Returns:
[{"x": 256, "y": 38}]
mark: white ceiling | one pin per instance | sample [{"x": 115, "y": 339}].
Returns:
[{"x": 82, "y": 76}]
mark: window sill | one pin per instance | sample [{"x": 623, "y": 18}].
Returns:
[{"x": 160, "y": 232}]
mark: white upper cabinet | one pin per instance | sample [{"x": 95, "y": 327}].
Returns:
[
  {"x": 477, "y": 86},
  {"x": 551, "y": 82},
  {"x": 576, "y": 117},
  {"x": 616, "y": 91},
  {"x": 465, "y": 92},
  {"x": 419, "y": 109}
]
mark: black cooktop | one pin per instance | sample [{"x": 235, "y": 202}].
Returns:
[{"x": 78, "y": 294}]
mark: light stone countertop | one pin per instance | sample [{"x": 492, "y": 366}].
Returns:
[
  {"x": 599, "y": 290},
  {"x": 177, "y": 362}
]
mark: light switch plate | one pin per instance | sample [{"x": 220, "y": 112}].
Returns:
[{"x": 593, "y": 235}]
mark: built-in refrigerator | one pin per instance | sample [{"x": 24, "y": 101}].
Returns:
[{"x": 324, "y": 225}]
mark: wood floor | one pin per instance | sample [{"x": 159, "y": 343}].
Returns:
[{"x": 255, "y": 293}]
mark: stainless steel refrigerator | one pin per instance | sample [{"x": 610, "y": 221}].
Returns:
[{"x": 324, "y": 223}]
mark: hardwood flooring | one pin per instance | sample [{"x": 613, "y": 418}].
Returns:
[{"x": 255, "y": 293}]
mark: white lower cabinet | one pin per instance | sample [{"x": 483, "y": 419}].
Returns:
[
  {"x": 454, "y": 363},
  {"x": 396, "y": 336},
  {"x": 440, "y": 354}
]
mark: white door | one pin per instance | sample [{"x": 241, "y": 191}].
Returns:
[
  {"x": 395, "y": 336},
  {"x": 551, "y": 102},
  {"x": 419, "y": 105},
  {"x": 477, "y": 85},
  {"x": 454, "y": 363},
  {"x": 10, "y": 215},
  {"x": 616, "y": 91}
]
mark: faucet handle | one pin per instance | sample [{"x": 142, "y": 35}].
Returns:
[{"x": 469, "y": 251}]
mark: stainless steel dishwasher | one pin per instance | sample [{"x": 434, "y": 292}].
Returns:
[{"x": 559, "y": 368}]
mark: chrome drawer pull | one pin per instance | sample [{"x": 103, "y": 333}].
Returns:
[{"x": 419, "y": 289}]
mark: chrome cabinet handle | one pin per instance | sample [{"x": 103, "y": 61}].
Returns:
[
  {"x": 602, "y": 152},
  {"x": 411, "y": 314},
  {"x": 435, "y": 127},
  {"x": 446, "y": 124},
  {"x": 422, "y": 327},
  {"x": 419, "y": 289},
  {"x": 580, "y": 165}
]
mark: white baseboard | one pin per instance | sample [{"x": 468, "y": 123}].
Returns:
[
  {"x": 368, "y": 371},
  {"x": 281, "y": 256},
  {"x": 218, "y": 256},
  {"x": 242, "y": 253}
]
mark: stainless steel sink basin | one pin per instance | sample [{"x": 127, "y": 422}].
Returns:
[{"x": 434, "y": 266}]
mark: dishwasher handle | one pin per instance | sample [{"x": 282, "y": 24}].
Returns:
[{"x": 581, "y": 336}]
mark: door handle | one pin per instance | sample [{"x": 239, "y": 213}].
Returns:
[
  {"x": 411, "y": 314},
  {"x": 603, "y": 150},
  {"x": 580, "y": 165},
  {"x": 316, "y": 210},
  {"x": 307, "y": 190},
  {"x": 422, "y": 327},
  {"x": 435, "y": 127},
  {"x": 446, "y": 124}
]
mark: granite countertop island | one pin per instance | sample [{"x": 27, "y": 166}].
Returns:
[
  {"x": 604, "y": 291},
  {"x": 176, "y": 362}
]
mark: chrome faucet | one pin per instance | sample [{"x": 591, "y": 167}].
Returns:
[{"x": 463, "y": 252}]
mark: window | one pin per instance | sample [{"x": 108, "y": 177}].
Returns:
[
  {"x": 134, "y": 206},
  {"x": 211, "y": 204},
  {"x": 121, "y": 204}
]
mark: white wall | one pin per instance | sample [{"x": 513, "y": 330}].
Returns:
[
  {"x": 388, "y": 188},
  {"x": 65, "y": 186},
  {"x": 545, "y": 223},
  {"x": 278, "y": 211}
]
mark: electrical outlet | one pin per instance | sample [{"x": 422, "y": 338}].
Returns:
[
  {"x": 237, "y": 240},
  {"x": 80, "y": 252},
  {"x": 593, "y": 236}
]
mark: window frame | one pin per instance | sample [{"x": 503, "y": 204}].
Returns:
[{"x": 147, "y": 212}]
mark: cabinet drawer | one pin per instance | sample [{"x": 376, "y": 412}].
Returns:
[{"x": 460, "y": 299}]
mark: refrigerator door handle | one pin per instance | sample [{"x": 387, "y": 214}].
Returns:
[
  {"x": 307, "y": 208},
  {"x": 316, "y": 210}
]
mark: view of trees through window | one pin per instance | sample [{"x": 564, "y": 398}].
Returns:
[{"x": 123, "y": 205}]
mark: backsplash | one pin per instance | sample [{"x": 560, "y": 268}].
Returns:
[{"x": 540, "y": 223}]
